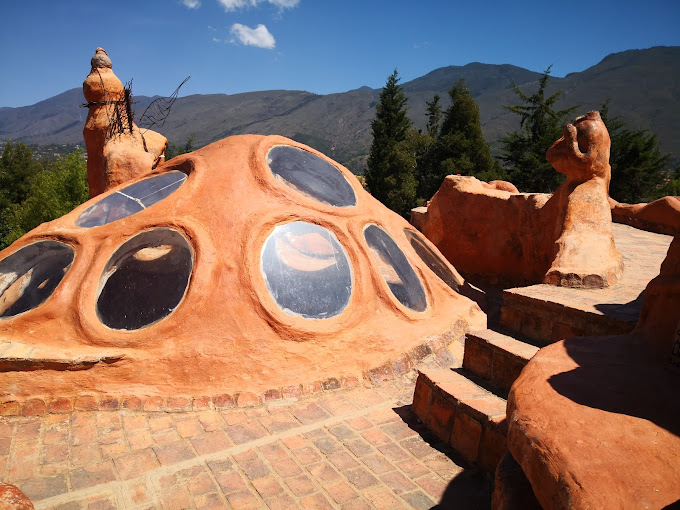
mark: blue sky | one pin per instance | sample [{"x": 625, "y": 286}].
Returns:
[{"x": 322, "y": 46}]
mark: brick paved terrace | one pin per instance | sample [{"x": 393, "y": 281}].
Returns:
[
  {"x": 347, "y": 448},
  {"x": 360, "y": 448}
]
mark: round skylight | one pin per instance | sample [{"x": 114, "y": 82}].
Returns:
[
  {"x": 30, "y": 275},
  {"x": 145, "y": 279},
  {"x": 131, "y": 199},
  {"x": 310, "y": 175},
  {"x": 400, "y": 277},
  {"x": 306, "y": 270}
]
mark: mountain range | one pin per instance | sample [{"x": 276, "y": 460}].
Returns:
[{"x": 643, "y": 87}]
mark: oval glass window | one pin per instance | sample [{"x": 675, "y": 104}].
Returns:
[
  {"x": 30, "y": 275},
  {"x": 306, "y": 270},
  {"x": 433, "y": 261},
  {"x": 145, "y": 279},
  {"x": 131, "y": 200},
  {"x": 395, "y": 269},
  {"x": 310, "y": 175}
]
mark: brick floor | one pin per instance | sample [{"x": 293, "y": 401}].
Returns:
[
  {"x": 351, "y": 448},
  {"x": 358, "y": 448}
]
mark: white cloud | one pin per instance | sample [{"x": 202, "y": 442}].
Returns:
[
  {"x": 233, "y": 5},
  {"x": 284, "y": 4},
  {"x": 258, "y": 36},
  {"x": 192, "y": 4}
]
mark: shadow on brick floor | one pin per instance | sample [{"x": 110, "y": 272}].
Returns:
[{"x": 471, "y": 488}]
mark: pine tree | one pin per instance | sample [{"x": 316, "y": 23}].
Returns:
[
  {"x": 638, "y": 166},
  {"x": 434, "y": 116},
  {"x": 523, "y": 151},
  {"x": 389, "y": 129},
  {"x": 460, "y": 147}
]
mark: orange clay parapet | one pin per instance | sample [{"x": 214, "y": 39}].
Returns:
[{"x": 495, "y": 234}]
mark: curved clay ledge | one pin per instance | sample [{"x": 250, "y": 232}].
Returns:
[
  {"x": 401, "y": 367},
  {"x": 593, "y": 424}
]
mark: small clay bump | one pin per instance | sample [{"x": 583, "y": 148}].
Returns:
[{"x": 101, "y": 59}]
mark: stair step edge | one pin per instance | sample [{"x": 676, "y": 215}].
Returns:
[{"x": 504, "y": 343}]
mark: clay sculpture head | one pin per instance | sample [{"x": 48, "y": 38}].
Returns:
[
  {"x": 583, "y": 151},
  {"x": 253, "y": 263}
]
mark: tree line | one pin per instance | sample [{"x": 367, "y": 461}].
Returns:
[
  {"x": 406, "y": 165},
  {"x": 35, "y": 191}
]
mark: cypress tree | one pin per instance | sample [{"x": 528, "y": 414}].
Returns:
[
  {"x": 389, "y": 129},
  {"x": 434, "y": 116},
  {"x": 460, "y": 147}
]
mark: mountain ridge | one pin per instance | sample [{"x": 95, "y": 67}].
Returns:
[{"x": 643, "y": 86}]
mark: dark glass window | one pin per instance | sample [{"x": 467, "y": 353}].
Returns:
[
  {"x": 131, "y": 200},
  {"x": 145, "y": 279},
  {"x": 30, "y": 275},
  {"x": 432, "y": 259},
  {"x": 395, "y": 269},
  {"x": 306, "y": 270},
  {"x": 310, "y": 175}
]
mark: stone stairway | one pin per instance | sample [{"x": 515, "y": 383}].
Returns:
[
  {"x": 496, "y": 358},
  {"x": 465, "y": 406}
]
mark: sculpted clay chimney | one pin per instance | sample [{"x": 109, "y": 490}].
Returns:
[{"x": 117, "y": 150}]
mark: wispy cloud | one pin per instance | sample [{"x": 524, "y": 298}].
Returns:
[
  {"x": 192, "y": 4},
  {"x": 258, "y": 36},
  {"x": 234, "y": 5}
]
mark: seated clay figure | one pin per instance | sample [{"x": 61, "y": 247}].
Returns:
[{"x": 584, "y": 253}]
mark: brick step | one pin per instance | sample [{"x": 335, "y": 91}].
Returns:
[
  {"x": 546, "y": 314},
  {"x": 496, "y": 357},
  {"x": 463, "y": 414}
]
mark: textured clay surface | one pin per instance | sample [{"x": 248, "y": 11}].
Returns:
[
  {"x": 227, "y": 334},
  {"x": 661, "y": 216},
  {"x": 11, "y": 498}
]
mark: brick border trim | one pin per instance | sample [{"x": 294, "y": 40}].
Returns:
[{"x": 398, "y": 368}]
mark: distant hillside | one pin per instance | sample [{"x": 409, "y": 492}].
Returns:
[{"x": 643, "y": 85}]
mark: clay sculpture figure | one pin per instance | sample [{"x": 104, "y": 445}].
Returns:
[
  {"x": 584, "y": 254},
  {"x": 497, "y": 235},
  {"x": 117, "y": 149}
]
